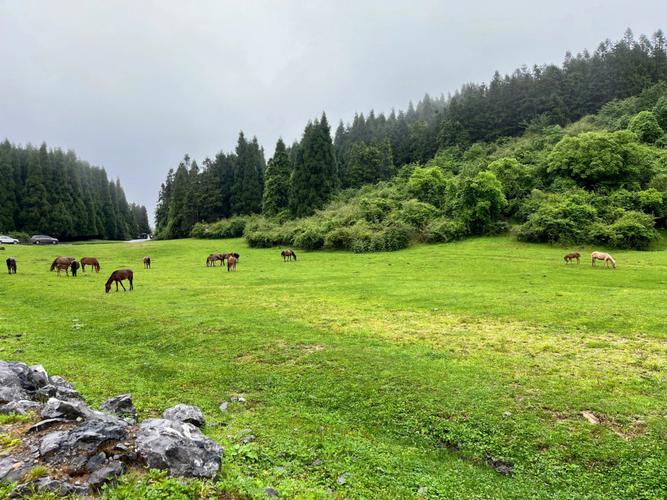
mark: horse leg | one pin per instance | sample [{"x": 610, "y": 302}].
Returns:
[
  {"x": 131, "y": 285},
  {"x": 121, "y": 284}
]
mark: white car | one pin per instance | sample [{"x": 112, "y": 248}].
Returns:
[{"x": 7, "y": 240}]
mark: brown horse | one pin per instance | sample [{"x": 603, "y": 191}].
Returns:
[
  {"x": 214, "y": 257},
  {"x": 231, "y": 262},
  {"x": 608, "y": 259},
  {"x": 62, "y": 264},
  {"x": 11, "y": 265},
  {"x": 118, "y": 276},
  {"x": 570, "y": 257},
  {"x": 90, "y": 261},
  {"x": 288, "y": 255},
  {"x": 147, "y": 262}
]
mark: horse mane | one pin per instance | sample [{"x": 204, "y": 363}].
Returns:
[{"x": 53, "y": 266}]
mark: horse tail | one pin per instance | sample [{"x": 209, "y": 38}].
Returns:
[
  {"x": 294, "y": 254},
  {"x": 53, "y": 266}
]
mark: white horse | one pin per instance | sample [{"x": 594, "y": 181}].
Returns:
[{"x": 608, "y": 259}]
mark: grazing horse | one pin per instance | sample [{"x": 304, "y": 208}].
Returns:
[
  {"x": 11, "y": 265},
  {"x": 62, "y": 264},
  {"x": 147, "y": 263},
  {"x": 214, "y": 257},
  {"x": 118, "y": 276},
  {"x": 570, "y": 257},
  {"x": 231, "y": 262},
  {"x": 90, "y": 261},
  {"x": 74, "y": 267},
  {"x": 608, "y": 259},
  {"x": 287, "y": 255}
]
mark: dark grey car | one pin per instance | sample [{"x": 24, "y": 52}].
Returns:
[{"x": 41, "y": 239}]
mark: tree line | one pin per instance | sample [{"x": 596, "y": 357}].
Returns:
[
  {"x": 302, "y": 177},
  {"x": 51, "y": 191}
]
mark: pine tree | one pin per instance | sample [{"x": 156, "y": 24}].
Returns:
[
  {"x": 315, "y": 177},
  {"x": 246, "y": 195},
  {"x": 277, "y": 181}
]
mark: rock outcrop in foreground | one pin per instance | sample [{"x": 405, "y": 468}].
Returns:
[{"x": 83, "y": 448}]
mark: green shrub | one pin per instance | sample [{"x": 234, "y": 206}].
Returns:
[
  {"x": 416, "y": 213},
  {"x": 633, "y": 230},
  {"x": 428, "y": 185},
  {"x": 310, "y": 238},
  {"x": 646, "y": 127},
  {"x": 395, "y": 237},
  {"x": 225, "y": 228},
  {"x": 443, "y": 230}
]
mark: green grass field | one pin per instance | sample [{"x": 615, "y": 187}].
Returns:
[{"x": 407, "y": 374}]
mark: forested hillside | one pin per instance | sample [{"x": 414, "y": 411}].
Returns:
[
  {"x": 53, "y": 192},
  {"x": 461, "y": 128}
]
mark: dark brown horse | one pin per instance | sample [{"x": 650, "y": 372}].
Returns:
[
  {"x": 288, "y": 255},
  {"x": 118, "y": 276},
  {"x": 74, "y": 267},
  {"x": 147, "y": 262},
  {"x": 62, "y": 264},
  {"x": 90, "y": 261},
  {"x": 570, "y": 257},
  {"x": 11, "y": 265},
  {"x": 214, "y": 257},
  {"x": 231, "y": 262}
]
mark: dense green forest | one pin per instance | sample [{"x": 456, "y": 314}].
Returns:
[
  {"x": 50, "y": 191},
  {"x": 570, "y": 153}
]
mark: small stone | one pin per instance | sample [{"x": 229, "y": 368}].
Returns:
[
  {"x": 185, "y": 413},
  {"x": 73, "y": 410},
  {"x": 422, "y": 491},
  {"x": 96, "y": 461},
  {"x": 238, "y": 399},
  {"x": 507, "y": 414},
  {"x": 270, "y": 492},
  {"x": 316, "y": 463},
  {"x": 248, "y": 439},
  {"x": 223, "y": 406},
  {"x": 341, "y": 479},
  {"x": 120, "y": 406},
  {"x": 107, "y": 474}
]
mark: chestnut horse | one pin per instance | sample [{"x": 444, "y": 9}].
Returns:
[
  {"x": 90, "y": 261},
  {"x": 214, "y": 257},
  {"x": 11, "y": 265},
  {"x": 62, "y": 264},
  {"x": 571, "y": 257},
  {"x": 118, "y": 276},
  {"x": 231, "y": 262},
  {"x": 608, "y": 259},
  {"x": 147, "y": 262},
  {"x": 287, "y": 255}
]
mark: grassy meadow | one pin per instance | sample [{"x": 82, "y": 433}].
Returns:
[{"x": 457, "y": 371}]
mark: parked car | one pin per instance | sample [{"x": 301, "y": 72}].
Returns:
[
  {"x": 8, "y": 240},
  {"x": 39, "y": 239}
]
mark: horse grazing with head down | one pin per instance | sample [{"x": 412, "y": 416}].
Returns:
[
  {"x": 215, "y": 257},
  {"x": 90, "y": 261},
  {"x": 118, "y": 276},
  {"x": 11, "y": 265},
  {"x": 288, "y": 255},
  {"x": 62, "y": 264},
  {"x": 608, "y": 259},
  {"x": 231, "y": 262},
  {"x": 570, "y": 257},
  {"x": 74, "y": 267},
  {"x": 147, "y": 262}
]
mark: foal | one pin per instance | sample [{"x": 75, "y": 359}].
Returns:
[
  {"x": 231, "y": 262},
  {"x": 147, "y": 262},
  {"x": 571, "y": 257}
]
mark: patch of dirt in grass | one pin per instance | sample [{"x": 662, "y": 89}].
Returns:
[{"x": 280, "y": 353}]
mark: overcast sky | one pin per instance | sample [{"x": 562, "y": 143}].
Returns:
[{"x": 134, "y": 85}]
